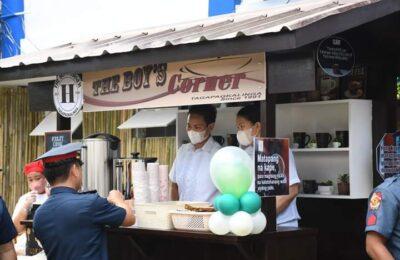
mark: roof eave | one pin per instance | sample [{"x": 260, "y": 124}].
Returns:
[{"x": 272, "y": 42}]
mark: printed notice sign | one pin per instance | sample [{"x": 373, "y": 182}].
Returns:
[
  {"x": 56, "y": 139},
  {"x": 388, "y": 155},
  {"x": 271, "y": 166},
  {"x": 336, "y": 57}
]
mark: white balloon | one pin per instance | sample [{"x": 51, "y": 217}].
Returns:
[
  {"x": 219, "y": 223},
  {"x": 259, "y": 222},
  {"x": 241, "y": 223}
]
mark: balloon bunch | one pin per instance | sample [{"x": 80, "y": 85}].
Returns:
[{"x": 238, "y": 210}]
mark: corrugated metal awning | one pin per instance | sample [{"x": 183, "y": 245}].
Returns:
[
  {"x": 285, "y": 17},
  {"x": 149, "y": 118},
  {"x": 49, "y": 124}
]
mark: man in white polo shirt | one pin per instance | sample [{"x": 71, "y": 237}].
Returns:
[{"x": 190, "y": 173}]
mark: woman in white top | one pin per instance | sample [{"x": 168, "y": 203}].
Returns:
[
  {"x": 37, "y": 195},
  {"x": 248, "y": 125}
]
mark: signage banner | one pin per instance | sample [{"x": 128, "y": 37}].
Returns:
[
  {"x": 388, "y": 155},
  {"x": 68, "y": 94},
  {"x": 208, "y": 81},
  {"x": 57, "y": 139},
  {"x": 336, "y": 57},
  {"x": 271, "y": 156}
]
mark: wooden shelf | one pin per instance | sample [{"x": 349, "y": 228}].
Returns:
[
  {"x": 308, "y": 150},
  {"x": 333, "y": 196}
]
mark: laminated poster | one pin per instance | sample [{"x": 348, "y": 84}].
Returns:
[{"x": 271, "y": 166}]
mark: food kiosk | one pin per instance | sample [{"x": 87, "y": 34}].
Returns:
[{"x": 110, "y": 66}]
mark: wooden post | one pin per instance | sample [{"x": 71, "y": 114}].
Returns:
[
  {"x": 63, "y": 123},
  {"x": 267, "y": 115}
]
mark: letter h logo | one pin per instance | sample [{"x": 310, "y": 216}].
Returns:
[{"x": 67, "y": 90}]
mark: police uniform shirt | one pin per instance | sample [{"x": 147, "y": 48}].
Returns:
[
  {"x": 191, "y": 172},
  {"x": 71, "y": 225},
  {"x": 7, "y": 229},
  {"x": 383, "y": 213}
]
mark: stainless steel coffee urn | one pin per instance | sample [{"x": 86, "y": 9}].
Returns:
[
  {"x": 123, "y": 178},
  {"x": 98, "y": 153}
]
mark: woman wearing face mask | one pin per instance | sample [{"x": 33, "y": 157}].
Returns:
[
  {"x": 190, "y": 173},
  {"x": 37, "y": 195},
  {"x": 249, "y": 126}
]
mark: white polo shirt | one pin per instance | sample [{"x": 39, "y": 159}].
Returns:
[
  {"x": 290, "y": 216},
  {"x": 191, "y": 172}
]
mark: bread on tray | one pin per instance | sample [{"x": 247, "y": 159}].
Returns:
[{"x": 198, "y": 208}]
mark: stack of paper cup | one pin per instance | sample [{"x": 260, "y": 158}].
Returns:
[
  {"x": 140, "y": 183},
  {"x": 163, "y": 172},
  {"x": 154, "y": 182}
]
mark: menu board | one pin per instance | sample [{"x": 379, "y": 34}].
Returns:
[
  {"x": 56, "y": 139},
  {"x": 271, "y": 166},
  {"x": 388, "y": 155}
]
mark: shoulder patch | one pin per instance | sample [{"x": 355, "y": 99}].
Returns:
[
  {"x": 371, "y": 221},
  {"x": 375, "y": 201}
]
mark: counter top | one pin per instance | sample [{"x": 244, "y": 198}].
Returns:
[{"x": 210, "y": 237}]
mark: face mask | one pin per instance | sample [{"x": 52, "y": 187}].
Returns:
[
  {"x": 244, "y": 137},
  {"x": 197, "y": 137}
]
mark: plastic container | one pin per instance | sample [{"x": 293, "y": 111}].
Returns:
[
  {"x": 189, "y": 220},
  {"x": 157, "y": 215}
]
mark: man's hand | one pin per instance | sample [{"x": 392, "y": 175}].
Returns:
[{"x": 115, "y": 197}]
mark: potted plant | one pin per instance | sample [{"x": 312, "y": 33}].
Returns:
[
  {"x": 325, "y": 188},
  {"x": 336, "y": 143},
  {"x": 312, "y": 144},
  {"x": 343, "y": 184}
]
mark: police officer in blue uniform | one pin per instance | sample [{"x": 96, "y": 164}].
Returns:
[
  {"x": 71, "y": 225},
  {"x": 383, "y": 220},
  {"x": 7, "y": 234}
]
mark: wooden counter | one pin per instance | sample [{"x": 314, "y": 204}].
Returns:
[{"x": 137, "y": 243}]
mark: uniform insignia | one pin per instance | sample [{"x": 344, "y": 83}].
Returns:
[
  {"x": 371, "y": 221},
  {"x": 375, "y": 201}
]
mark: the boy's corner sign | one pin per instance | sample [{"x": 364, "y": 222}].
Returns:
[{"x": 216, "y": 80}]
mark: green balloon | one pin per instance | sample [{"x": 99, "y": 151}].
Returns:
[
  {"x": 250, "y": 202},
  {"x": 216, "y": 202},
  {"x": 228, "y": 204},
  {"x": 231, "y": 171},
  {"x": 234, "y": 179}
]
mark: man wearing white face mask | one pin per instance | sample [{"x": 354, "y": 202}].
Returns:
[
  {"x": 190, "y": 173},
  {"x": 249, "y": 126}
]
